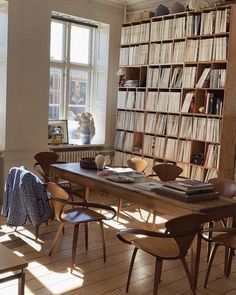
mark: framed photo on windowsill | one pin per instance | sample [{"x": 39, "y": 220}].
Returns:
[{"x": 57, "y": 132}]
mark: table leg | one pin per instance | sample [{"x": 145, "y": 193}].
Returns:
[
  {"x": 21, "y": 283},
  {"x": 87, "y": 194},
  {"x": 195, "y": 259}
]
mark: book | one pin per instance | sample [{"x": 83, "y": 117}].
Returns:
[
  {"x": 148, "y": 185},
  {"x": 189, "y": 185},
  {"x": 187, "y": 192},
  {"x": 187, "y": 198}
]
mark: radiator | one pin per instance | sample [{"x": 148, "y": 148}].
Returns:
[{"x": 75, "y": 156}]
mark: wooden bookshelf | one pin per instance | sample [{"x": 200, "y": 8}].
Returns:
[{"x": 178, "y": 100}]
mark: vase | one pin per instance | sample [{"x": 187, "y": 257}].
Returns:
[{"x": 85, "y": 138}]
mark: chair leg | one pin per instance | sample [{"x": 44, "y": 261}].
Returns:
[
  {"x": 229, "y": 264},
  {"x": 131, "y": 268},
  {"x": 149, "y": 215},
  {"x": 212, "y": 255},
  {"x": 226, "y": 260},
  {"x": 154, "y": 219},
  {"x": 157, "y": 276},
  {"x": 103, "y": 240},
  {"x": 74, "y": 245},
  {"x": 190, "y": 279},
  {"x": 36, "y": 232},
  {"x": 210, "y": 224},
  {"x": 86, "y": 235},
  {"x": 119, "y": 208},
  {"x": 61, "y": 226}
]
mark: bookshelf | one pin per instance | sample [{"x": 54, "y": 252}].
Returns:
[{"x": 178, "y": 100}]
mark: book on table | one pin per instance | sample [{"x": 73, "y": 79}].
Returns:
[
  {"x": 148, "y": 185},
  {"x": 189, "y": 185}
]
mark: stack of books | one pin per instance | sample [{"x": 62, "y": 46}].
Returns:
[{"x": 189, "y": 190}]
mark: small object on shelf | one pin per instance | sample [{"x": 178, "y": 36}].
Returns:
[
  {"x": 176, "y": 7},
  {"x": 131, "y": 83},
  {"x": 121, "y": 73},
  {"x": 161, "y": 10},
  {"x": 143, "y": 15},
  {"x": 197, "y": 5}
]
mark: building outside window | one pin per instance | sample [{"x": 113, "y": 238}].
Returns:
[{"x": 78, "y": 74}]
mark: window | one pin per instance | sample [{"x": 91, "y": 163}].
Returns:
[{"x": 78, "y": 75}]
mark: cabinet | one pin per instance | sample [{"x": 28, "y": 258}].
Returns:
[{"x": 178, "y": 100}]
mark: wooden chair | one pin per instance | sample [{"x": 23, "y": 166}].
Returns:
[
  {"x": 42, "y": 166},
  {"x": 227, "y": 189},
  {"x": 137, "y": 164},
  {"x": 225, "y": 237},
  {"x": 165, "y": 172},
  {"x": 81, "y": 214},
  {"x": 171, "y": 245}
]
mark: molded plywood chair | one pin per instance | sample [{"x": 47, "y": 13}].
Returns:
[
  {"x": 137, "y": 164},
  {"x": 225, "y": 237},
  {"x": 171, "y": 245},
  {"x": 42, "y": 166},
  {"x": 165, "y": 172},
  {"x": 83, "y": 213},
  {"x": 227, "y": 189}
]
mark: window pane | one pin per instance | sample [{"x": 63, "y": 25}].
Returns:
[
  {"x": 56, "y": 46},
  {"x": 79, "y": 45},
  {"x": 78, "y": 97},
  {"x": 55, "y": 94}
]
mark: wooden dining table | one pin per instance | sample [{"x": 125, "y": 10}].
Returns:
[{"x": 214, "y": 209}]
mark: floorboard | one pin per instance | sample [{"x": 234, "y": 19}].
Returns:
[{"x": 51, "y": 275}]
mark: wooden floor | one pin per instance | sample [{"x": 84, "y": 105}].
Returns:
[{"x": 50, "y": 275}]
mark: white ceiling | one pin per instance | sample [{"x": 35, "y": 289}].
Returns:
[{"x": 141, "y": 5}]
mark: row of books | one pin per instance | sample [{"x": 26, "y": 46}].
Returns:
[
  {"x": 167, "y": 125},
  {"x": 135, "y": 34},
  {"x": 163, "y": 101},
  {"x": 212, "y": 156},
  {"x": 206, "y": 23},
  {"x": 192, "y": 50},
  {"x": 168, "y": 29},
  {"x": 133, "y": 121},
  {"x": 130, "y": 100},
  {"x": 165, "y": 77},
  {"x": 134, "y": 55},
  {"x": 202, "y": 129},
  {"x": 197, "y": 128}
]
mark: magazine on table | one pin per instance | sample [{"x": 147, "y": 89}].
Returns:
[{"x": 189, "y": 185}]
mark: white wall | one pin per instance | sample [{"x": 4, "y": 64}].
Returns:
[{"x": 28, "y": 72}]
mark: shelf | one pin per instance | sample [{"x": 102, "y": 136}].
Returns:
[{"x": 177, "y": 120}]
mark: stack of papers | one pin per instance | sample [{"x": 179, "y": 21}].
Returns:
[{"x": 189, "y": 186}]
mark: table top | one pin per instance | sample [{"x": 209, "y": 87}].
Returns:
[
  {"x": 221, "y": 207},
  {"x": 9, "y": 261}
]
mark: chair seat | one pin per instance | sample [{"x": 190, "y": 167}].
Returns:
[
  {"x": 226, "y": 239},
  {"x": 160, "y": 247},
  {"x": 80, "y": 215}
]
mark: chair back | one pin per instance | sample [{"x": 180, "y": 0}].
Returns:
[
  {"x": 226, "y": 187},
  {"x": 138, "y": 164},
  {"x": 45, "y": 159},
  {"x": 167, "y": 172},
  {"x": 57, "y": 193},
  {"x": 187, "y": 227}
]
